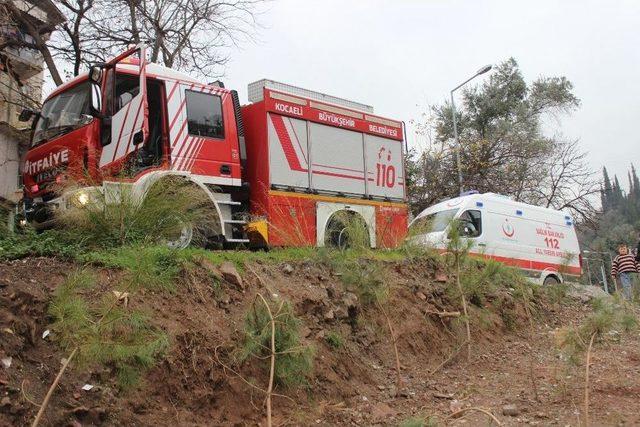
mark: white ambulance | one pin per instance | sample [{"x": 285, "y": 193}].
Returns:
[{"x": 540, "y": 241}]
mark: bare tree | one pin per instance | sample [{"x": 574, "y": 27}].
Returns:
[
  {"x": 190, "y": 35},
  {"x": 569, "y": 182},
  {"x": 77, "y": 42}
]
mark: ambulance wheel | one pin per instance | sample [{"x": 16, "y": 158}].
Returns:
[{"x": 551, "y": 281}]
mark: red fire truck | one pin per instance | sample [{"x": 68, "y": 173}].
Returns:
[{"x": 284, "y": 170}]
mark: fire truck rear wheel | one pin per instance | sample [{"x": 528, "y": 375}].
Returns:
[{"x": 345, "y": 230}]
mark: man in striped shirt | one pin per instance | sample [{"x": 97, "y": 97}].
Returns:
[{"x": 625, "y": 267}]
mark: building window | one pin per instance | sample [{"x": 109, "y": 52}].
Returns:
[{"x": 204, "y": 115}]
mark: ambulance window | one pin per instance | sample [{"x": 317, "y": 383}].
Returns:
[
  {"x": 471, "y": 222},
  {"x": 433, "y": 223},
  {"x": 204, "y": 115}
]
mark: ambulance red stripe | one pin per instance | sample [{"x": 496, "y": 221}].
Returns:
[{"x": 526, "y": 264}]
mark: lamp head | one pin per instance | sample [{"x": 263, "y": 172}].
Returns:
[{"x": 484, "y": 69}]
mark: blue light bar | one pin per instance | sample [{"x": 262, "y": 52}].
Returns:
[
  {"x": 519, "y": 212},
  {"x": 479, "y": 204}
]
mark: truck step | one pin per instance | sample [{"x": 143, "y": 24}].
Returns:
[
  {"x": 234, "y": 221},
  {"x": 238, "y": 240}
]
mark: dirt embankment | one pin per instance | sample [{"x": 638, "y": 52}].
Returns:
[{"x": 512, "y": 370}]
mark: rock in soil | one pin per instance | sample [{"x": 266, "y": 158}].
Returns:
[
  {"x": 382, "y": 411},
  {"x": 231, "y": 275},
  {"x": 287, "y": 269},
  {"x": 510, "y": 410},
  {"x": 455, "y": 406}
]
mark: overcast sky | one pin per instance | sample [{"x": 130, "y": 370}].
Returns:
[{"x": 400, "y": 56}]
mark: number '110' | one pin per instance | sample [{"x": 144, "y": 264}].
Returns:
[{"x": 386, "y": 176}]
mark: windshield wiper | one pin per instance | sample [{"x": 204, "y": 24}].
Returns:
[{"x": 57, "y": 131}]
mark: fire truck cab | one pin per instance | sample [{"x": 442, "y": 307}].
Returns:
[{"x": 276, "y": 171}]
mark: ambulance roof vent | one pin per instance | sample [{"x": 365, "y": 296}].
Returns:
[{"x": 256, "y": 94}]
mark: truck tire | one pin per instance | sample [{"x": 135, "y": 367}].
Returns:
[
  {"x": 551, "y": 281},
  {"x": 183, "y": 240},
  {"x": 204, "y": 230},
  {"x": 346, "y": 230}
]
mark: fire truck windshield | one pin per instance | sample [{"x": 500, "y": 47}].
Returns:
[{"x": 63, "y": 113}]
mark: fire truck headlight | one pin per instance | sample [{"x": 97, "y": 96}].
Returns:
[
  {"x": 79, "y": 199},
  {"x": 83, "y": 198}
]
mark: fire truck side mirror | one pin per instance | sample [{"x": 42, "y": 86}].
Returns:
[
  {"x": 26, "y": 115},
  {"x": 95, "y": 73}
]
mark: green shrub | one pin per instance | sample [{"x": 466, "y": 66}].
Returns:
[
  {"x": 419, "y": 422},
  {"x": 335, "y": 340},
  {"x": 557, "y": 293},
  {"x": 365, "y": 278},
  {"x": 116, "y": 216},
  {"x": 28, "y": 242},
  {"x": 294, "y": 359},
  {"x": 103, "y": 332},
  {"x": 4, "y": 220},
  {"x": 149, "y": 267},
  {"x": 608, "y": 315}
]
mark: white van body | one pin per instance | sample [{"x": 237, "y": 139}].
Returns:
[{"x": 540, "y": 241}]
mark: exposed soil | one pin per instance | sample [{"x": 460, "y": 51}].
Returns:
[{"x": 351, "y": 385}]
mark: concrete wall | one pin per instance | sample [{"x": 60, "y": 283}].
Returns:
[
  {"x": 9, "y": 165},
  {"x": 13, "y": 131}
]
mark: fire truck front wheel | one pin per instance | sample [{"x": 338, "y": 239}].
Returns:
[
  {"x": 196, "y": 222},
  {"x": 205, "y": 235},
  {"x": 182, "y": 239}
]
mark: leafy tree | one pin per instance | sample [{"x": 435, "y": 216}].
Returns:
[
  {"x": 503, "y": 147},
  {"x": 617, "y": 196},
  {"x": 617, "y": 222}
]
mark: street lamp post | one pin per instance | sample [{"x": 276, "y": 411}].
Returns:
[{"x": 455, "y": 125}]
